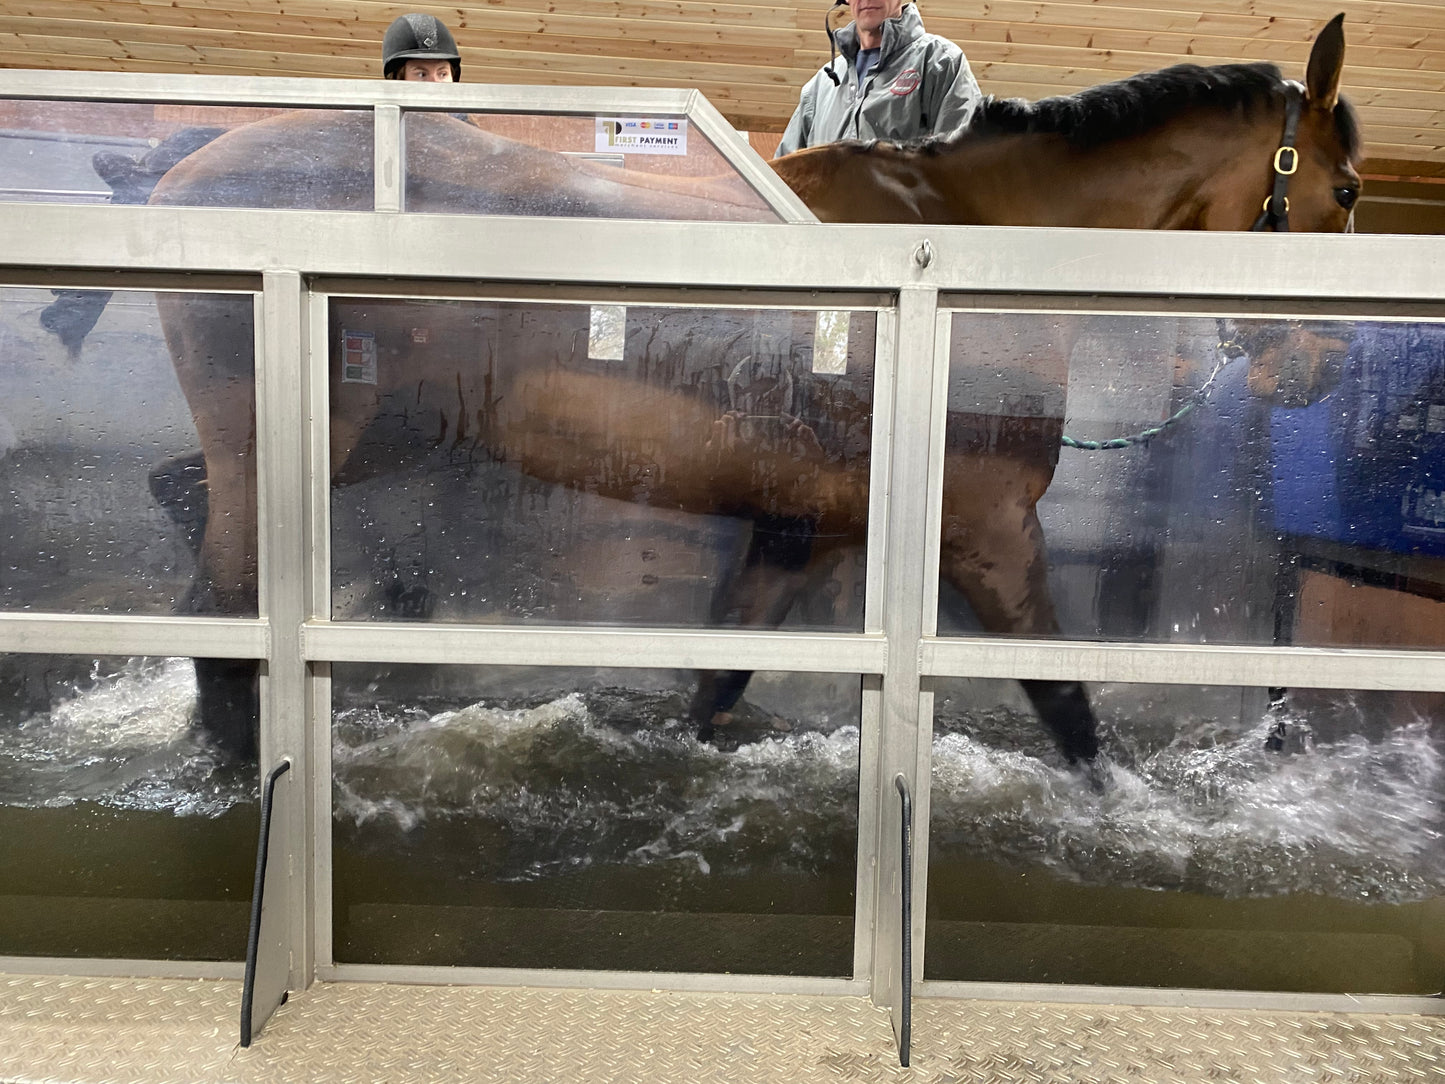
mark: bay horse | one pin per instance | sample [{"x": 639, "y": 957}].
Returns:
[{"x": 1183, "y": 148}]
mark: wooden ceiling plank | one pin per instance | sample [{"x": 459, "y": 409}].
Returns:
[
  {"x": 1168, "y": 49},
  {"x": 106, "y": 11},
  {"x": 990, "y": 57},
  {"x": 1425, "y": 15},
  {"x": 656, "y": 72},
  {"x": 376, "y": 16},
  {"x": 1378, "y": 34},
  {"x": 1153, "y": 51},
  {"x": 751, "y": 60},
  {"x": 61, "y": 14},
  {"x": 753, "y": 55},
  {"x": 1034, "y": 84}
]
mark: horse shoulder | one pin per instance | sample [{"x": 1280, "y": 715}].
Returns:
[{"x": 813, "y": 174}]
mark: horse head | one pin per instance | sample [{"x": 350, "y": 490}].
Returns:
[
  {"x": 1306, "y": 177},
  {"x": 1292, "y": 363}
]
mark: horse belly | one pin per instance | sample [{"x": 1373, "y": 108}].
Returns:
[{"x": 623, "y": 438}]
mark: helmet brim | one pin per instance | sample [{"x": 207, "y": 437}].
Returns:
[{"x": 423, "y": 54}]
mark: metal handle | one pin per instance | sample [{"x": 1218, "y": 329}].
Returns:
[
  {"x": 905, "y": 1023},
  {"x": 253, "y": 937}
]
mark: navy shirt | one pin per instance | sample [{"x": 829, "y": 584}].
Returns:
[{"x": 866, "y": 62}]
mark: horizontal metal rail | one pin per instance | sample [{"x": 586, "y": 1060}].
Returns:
[
  {"x": 746, "y": 649},
  {"x": 77, "y": 634},
  {"x": 982, "y": 259},
  {"x": 1181, "y": 664}
]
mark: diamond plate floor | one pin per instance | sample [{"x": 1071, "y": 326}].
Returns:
[{"x": 111, "y": 1031}]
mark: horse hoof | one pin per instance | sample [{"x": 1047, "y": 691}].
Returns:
[
  {"x": 412, "y": 602},
  {"x": 1274, "y": 743},
  {"x": 1093, "y": 773}
]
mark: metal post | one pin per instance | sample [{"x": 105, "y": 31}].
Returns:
[{"x": 906, "y": 572}]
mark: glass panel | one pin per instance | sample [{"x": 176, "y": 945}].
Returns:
[
  {"x": 117, "y": 152},
  {"x": 569, "y": 819},
  {"x": 121, "y": 834},
  {"x": 485, "y": 468},
  {"x": 1309, "y": 475},
  {"x": 634, "y": 166},
  {"x": 105, "y": 494},
  {"x": 1359, "y": 494},
  {"x": 1237, "y": 844}
]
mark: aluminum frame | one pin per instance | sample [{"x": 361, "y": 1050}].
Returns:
[
  {"x": 390, "y": 98},
  {"x": 1359, "y": 275},
  {"x": 325, "y": 641}
]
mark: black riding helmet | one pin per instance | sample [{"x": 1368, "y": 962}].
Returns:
[{"x": 418, "y": 37}]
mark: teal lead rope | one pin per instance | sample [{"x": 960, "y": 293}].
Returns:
[{"x": 1228, "y": 351}]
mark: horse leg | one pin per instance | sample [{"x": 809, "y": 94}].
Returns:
[
  {"x": 779, "y": 565},
  {"x": 204, "y": 334},
  {"x": 179, "y": 487},
  {"x": 993, "y": 553},
  {"x": 228, "y": 701},
  {"x": 227, "y": 690}
]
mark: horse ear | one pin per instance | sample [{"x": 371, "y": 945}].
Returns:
[{"x": 1327, "y": 57}]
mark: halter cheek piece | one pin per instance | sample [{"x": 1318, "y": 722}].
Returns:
[{"x": 1275, "y": 215}]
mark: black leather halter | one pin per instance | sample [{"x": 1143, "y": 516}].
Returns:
[{"x": 1275, "y": 215}]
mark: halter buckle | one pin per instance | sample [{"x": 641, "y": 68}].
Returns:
[
  {"x": 1293, "y": 161},
  {"x": 1270, "y": 199}
]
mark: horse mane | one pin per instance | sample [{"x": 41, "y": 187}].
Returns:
[{"x": 1134, "y": 106}]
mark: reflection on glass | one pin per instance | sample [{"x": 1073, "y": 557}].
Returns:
[
  {"x": 1264, "y": 491},
  {"x": 607, "y": 336},
  {"x": 566, "y": 819},
  {"x": 655, "y": 168},
  {"x": 488, "y": 465},
  {"x": 1236, "y": 843},
  {"x": 118, "y": 152},
  {"x": 830, "y": 339},
  {"x": 121, "y": 835},
  {"x": 1359, "y": 494},
  {"x": 106, "y": 507}
]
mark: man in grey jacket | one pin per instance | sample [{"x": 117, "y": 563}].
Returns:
[{"x": 893, "y": 81}]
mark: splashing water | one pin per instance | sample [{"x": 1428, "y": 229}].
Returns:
[
  {"x": 614, "y": 776},
  {"x": 608, "y": 776},
  {"x": 1354, "y": 818},
  {"x": 123, "y": 740}
]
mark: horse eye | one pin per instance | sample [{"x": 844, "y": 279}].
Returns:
[{"x": 1346, "y": 196}]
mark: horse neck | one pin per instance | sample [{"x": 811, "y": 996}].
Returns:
[{"x": 1192, "y": 174}]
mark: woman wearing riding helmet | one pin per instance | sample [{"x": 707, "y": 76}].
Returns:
[{"x": 418, "y": 48}]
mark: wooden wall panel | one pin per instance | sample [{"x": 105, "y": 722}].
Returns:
[{"x": 751, "y": 59}]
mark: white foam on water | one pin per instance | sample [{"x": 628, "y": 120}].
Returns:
[
  {"x": 1354, "y": 818},
  {"x": 617, "y": 777},
  {"x": 122, "y": 739},
  {"x": 558, "y": 788}
]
